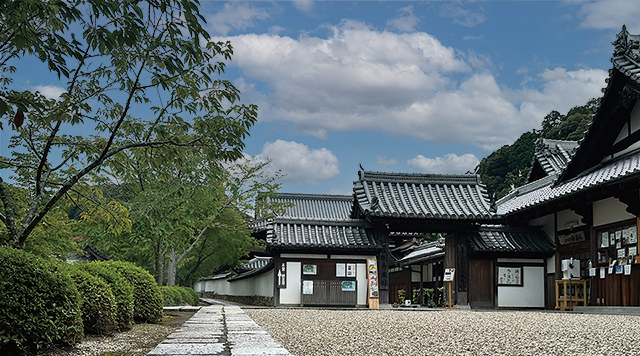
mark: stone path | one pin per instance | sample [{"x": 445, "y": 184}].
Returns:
[{"x": 220, "y": 330}]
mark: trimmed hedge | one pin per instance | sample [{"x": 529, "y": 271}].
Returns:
[
  {"x": 176, "y": 296},
  {"x": 147, "y": 298},
  {"x": 120, "y": 288},
  {"x": 39, "y": 304},
  {"x": 96, "y": 302}
]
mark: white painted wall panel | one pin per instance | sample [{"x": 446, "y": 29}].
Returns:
[
  {"x": 568, "y": 219},
  {"x": 609, "y": 211},
  {"x": 530, "y": 295},
  {"x": 291, "y": 294},
  {"x": 547, "y": 225},
  {"x": 361, "y": 280}
]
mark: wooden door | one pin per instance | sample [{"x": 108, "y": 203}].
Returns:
[{"x": 481, "y": 283}]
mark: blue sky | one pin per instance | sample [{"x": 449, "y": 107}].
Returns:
[{"x": 405, "y": 86}]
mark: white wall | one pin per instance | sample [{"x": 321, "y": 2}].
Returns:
[
  {"x": 361, "y": 280},
  {"x": 530, "y": 295},
  {"x": 291, "y": 294},
  {"x": 261, "y": 285},
  {"x": 609, "y": 211},
  {"x": 568, "y": 219}
]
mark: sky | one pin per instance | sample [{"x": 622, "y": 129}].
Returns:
[{"x": 405, "y": 86}]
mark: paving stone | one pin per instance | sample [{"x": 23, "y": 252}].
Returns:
[
  {"x": 190, "y": 341},
  {"x": 246, "y": 351},
  {"x": 187, "y": 349}
]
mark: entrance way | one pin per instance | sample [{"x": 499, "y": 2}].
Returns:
[{"x": 481, "y": 290}]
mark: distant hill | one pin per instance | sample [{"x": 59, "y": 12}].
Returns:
[{"x": 509, "y": 166}]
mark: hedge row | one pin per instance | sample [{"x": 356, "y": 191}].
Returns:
[
  {"x": 176, "y": 296},
  {"x": 45, "y": 303}
]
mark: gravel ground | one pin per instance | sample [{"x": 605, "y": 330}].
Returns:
[
  {"x": 138, "y": 341},
  {"x": 451, "y": 332}
]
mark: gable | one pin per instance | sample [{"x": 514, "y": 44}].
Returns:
[{"x": 614, "y": 130}]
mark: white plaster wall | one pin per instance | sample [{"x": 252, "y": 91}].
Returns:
[
  {"x": 609, "y": 211},
  {"x": 261, "y": 285},
  {"x": 568, "y": 219},
  {"x": 635, "y": 117},
  {"x": 547, "y": 225},
  {"x": 291, "y": 294},
  {"x": 551, "y": 265},
  {"x": 530, "y": 295},
  {"x": 361, "y": 283}
]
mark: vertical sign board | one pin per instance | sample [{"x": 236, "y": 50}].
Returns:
[
  {"x": 282, "y": 275},
  {"x": 372, "y": 278},
  {"x": 449, "y": 273}
]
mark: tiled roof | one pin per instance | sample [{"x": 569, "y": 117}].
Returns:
[
  {"x": 626, "y": 57},
  {"x": 553, "y": 155},
  {"x": 255, "y": 266},
  {"x": 429, "y": 251},
  {"x": 543, "y": 191},
  {"x": 315, "y": 206},
  {"x": 423, "y": 196},
  {"x": 318, "y": 234},
  {"x": 499, "y": 239}
]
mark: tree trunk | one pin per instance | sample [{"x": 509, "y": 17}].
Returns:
[
  {"x": 171, "y": 268},
  {"x": 160, "y": 251}
]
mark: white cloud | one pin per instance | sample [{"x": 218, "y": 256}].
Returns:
[
  {"x": 611, "y": 14},
  {"x": 235, "y": 16},
  {"x": 50, "y": 91},
  {"x": 405, "y": 21},
  {"x": 400, "y": 84},
  {"x": 303, "y": 5},
  {"x": 449, "y": 164},
  {"x": 461, "y": 16},
  {"x": 336, "y": 191},
  {"x": 298, "y": 163},
  {"x": 384, "y": 161}
]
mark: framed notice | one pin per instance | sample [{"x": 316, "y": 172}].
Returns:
[
  {"x": 633, "y": 251},
  {"x": 510, "y": 276},
  {"x": 633, "y": 236},
  {"x": 351, "y": 269},
  {"x": 348, "y": 286},
  {"x": 310, "y": 269},
  {"x": 341, "y": 270}
]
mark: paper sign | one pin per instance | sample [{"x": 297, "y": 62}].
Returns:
[
  {"x": 307, "y": 287},
  {"x": 621, "y": 253},
  {"x": 627, "y": 270},
  {"x": 619, "y": 269},
  {"x": 592, "y": 272},
  {"x": 351, "y": 269},
  {"x": 341, "y": 270},
  {"x": 602, "y": 273},
  {"x": 610, "y": 270}
]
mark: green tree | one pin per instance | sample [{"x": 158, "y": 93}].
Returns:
[{"x": 135, "y": 76}]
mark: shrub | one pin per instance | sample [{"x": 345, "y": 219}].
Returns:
[
  {"x": 147, "y": 298},
  {"x": 189, "y": 295},
  {"x": 39, "y": 304},
  {"x": 170, "y": 296},
  {"x": 96, "y": 302},
  {"x": 175, "y": 295},
  {"x": 121, "y": 289}
]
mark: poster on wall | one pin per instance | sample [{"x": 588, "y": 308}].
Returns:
[
  {"x": 340, "y": 270},
  {"x": 625, "y": 236},
  {"x": 612, "y": 239},
  {"x": 307, "y": 287},
  {"x": 351, "y": 269},
  {"x": 633, "y": 251},
  {"x": 510, "y": 276},
  {"x": 619, "y": 239},
  {"x": 602, "y": 273},
  {"x": 633, "y": 235},
  {"x": 604, "y": 240},
  {"x": 622, "y": 253},
  {"x": 372, "y": 270},
  {"x": 310, "y": 269}
]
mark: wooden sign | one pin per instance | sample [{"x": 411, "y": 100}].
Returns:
[
  {"x": 372, "y": 279},
  {"x": 282, "y": 275},
  {"x": 573, "y": 237},
  {"x": 449, "y": 273}
]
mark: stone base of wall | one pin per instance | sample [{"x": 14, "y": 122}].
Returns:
[{"x": 242, "y": 299}]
